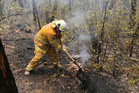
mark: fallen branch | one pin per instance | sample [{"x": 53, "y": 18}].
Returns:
[{"x": 2, "y": 18}]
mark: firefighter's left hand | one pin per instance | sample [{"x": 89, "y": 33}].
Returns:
[{"x": 64, "y": 48}]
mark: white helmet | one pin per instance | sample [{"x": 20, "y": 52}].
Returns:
[{"x": 61, "y": 24}]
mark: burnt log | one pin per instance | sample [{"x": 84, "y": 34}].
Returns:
[
  {"x": 91, "y": 84},
  {"x": 7, "y": 81}
]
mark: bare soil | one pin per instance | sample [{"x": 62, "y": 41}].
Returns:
[{"x": 19, "y": 48}]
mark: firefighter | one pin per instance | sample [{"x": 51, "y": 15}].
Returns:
[{"x": 45, "y": 41}]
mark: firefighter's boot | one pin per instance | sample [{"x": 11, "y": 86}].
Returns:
[{"x": 27, "y": 72}]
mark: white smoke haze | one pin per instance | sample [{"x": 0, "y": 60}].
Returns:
[
  {"x": 64, "y": 2},
  {"x": 77, "y": 19},
  {"x": 84, "y": 55},
  {"x": 84, "y": 38}
]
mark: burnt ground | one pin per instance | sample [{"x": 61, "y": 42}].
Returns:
[{"x": 19, "y": 48}]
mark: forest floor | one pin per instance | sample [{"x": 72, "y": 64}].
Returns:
[{"x": 19, "y": 47}]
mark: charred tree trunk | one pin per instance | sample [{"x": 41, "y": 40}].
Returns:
[
  {"x": 134, "y": 37},
  {"x": 7, "y": 81},
  {"x": 14, "y": 1},
  {"x": 132, "y": 24},
  {"x": 46, "y": 16},
  {"x": 55, "y": 7},
  {"x": 50, "y": 3},
  {"x": 52, "y": 18},
  {"x": 100, "y": 45},
  {"x": 70, "y": 6},
  {"x": 20, "y": 3},
  {"x": 38, "y": 18},
  {"x": 48, "y": 20},
  {"x": 1, "y": 9},
  {"x": 133, "y": 13},
  {"x": 34, "y": 14},
  {"x": 112, "y": 4},
  {"x": 92, "y": 84}
]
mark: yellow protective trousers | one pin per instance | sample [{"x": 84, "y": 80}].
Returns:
[{"x": 39, "y": 53}]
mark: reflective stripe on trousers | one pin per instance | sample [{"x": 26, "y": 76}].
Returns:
[
  {"x": 35, "y": 60},
  {"x": 29, "y": 67},
  {"x": 55, "y": 63}
]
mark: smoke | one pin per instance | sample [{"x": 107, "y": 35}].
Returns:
[
  {"x": 84, "y": 38},
  {"x": 77, "y": 19},
  {"x": 64, "y": 2},
  {"x": 84, "y": 55},
  {"x": 83, "y": 50},
  {"x": 77, "y": 23}
]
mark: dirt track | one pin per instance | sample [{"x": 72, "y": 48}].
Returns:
[{"x": 19, "y": 48}]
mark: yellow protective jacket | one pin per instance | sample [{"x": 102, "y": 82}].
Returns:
[{"x": 47, "y": 37}]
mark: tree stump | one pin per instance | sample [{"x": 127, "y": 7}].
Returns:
[
  {"x": 7, "y": 81},
  {"x": 91, "y": 84}
]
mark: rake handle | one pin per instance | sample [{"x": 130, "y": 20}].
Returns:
[
  {"x": 69, "y": 55},
  {"x": 73, "y": 60}
]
